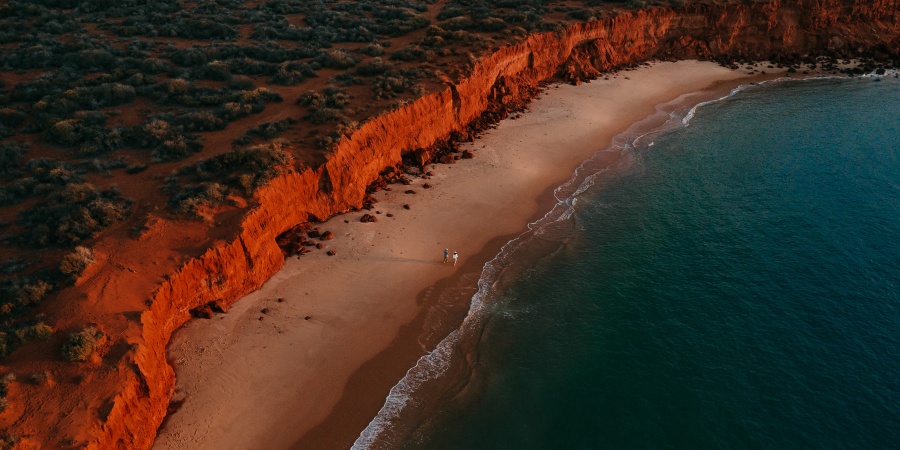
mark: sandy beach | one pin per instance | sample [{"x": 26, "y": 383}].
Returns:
[{"x": 312, "y": 371}]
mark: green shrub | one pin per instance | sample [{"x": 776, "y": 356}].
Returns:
[
  {"x": 28, "y": 293},
  {"x": 393, "y": 84},
  {"x": 337, "y": 59},
  {"x": 372, "y": 50},
  {"x": 372, "y": 68},
  {"x": 21, "y": 292},
  {"x": 40, "y": 331},
  {"x": 74, "y": 263},
  {"x": 81, "y": 346},
  {"x": 11, "y": 154},
  {"x": 5, "y": 345},
  {"x": 267, "y": 130},
  {"x": 208, "y": 182},
  {"x": 411, "y": 53},
  {"x": 72, "y": 214}
]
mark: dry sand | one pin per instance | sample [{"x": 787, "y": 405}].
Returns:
[{"x": 248, "y": 379}]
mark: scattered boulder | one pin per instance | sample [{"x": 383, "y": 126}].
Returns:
[
  {"x": 280, "y": 300},
  {"x": 409, "y": 191},
  {"x": 264, "y": 310},
  {"x": 319, "y": 246},
  {"x": 202, "y": 312},
  {"x": 406, "y": 206},
  {"x": 327, "y": 236},
  {"x": 426, "y": 186},
  {"x": 209, "y": 309},
  {"x": 390, "y": 215},
  {"x": 467, "y": 154},
  {"x": 218, "y": 306},
  {"x": 368, "y": 218},
  {"x": 314, "y": 233},
  {"x": 331, "y": 253}
]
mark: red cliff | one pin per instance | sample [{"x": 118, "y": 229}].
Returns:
[{"x": 133, "y": 389}]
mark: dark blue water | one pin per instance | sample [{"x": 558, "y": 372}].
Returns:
[{"x": 735, "y": 286}]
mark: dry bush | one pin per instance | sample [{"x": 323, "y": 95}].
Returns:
[
  {"x": 74, "y": 263},
  {"x": 81, "y": 346}
]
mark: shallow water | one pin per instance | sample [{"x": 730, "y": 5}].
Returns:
[{"x": 732, "y": 283}]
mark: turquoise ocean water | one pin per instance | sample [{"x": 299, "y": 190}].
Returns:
[{"x": 732, "y": 282}]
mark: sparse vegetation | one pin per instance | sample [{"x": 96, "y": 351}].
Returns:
[
  {"x": 5, "y": 381},
  {"x": 81, "y": 346},
  {"x": 267, "y": 130},
  {"x": 21, "y": 292},
  {"x": 39, "y": 331},
  {"x": 206, "y": 183},
  {"x": 74, "y": 263},
  {"x": 71, "y": 214}
]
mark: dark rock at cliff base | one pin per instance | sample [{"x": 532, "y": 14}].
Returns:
[
  {"x": 218, "y": 306},
  {"x": 327, "y": 236},
  {"x": 426, "y": 186},
  {"x": 446, "y": 159},
  {"x": 313, "y": 233},
  {"x": 320, "y": 246},
  {"x": 368, "y": 218},
  {"x": 202, "y": 312},
  {"x": 331, "y": 253},
  {"x": 467, "y": 154}
]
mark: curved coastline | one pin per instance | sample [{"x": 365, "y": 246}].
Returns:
[
  {"x": 502, "y": 88},
  {"x": 139, "y": 388},
  {"x": 422, "y": 388},
  {"x": 333, "y": 401}
]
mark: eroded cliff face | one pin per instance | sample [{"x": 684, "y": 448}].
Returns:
[{"x": 143, "y": 381}]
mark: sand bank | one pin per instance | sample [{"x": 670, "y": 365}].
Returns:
[{"x": 313, "y": 370}]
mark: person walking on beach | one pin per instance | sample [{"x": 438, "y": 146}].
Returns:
[
  {"x": 446, "y": 255},
  {"x": 455, "y": 257}
]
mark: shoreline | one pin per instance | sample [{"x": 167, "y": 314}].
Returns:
[{"x": 266, "y": 384}]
